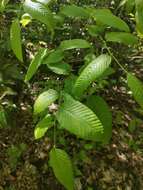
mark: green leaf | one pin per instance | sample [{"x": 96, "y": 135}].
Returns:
[
  {"x": 101, "y": 109},
  {"x": 95, "y": 30},
  {"x": 3, "y": 4},
  {"x": 75, "y": 11},
  {"x": 79, "y": 119},
  {"x": 106, "y": 17},
  {"x": 69, "y": 83},
  {"x": 136, "y": 87},
  {"x": 35, "y": 63},
  {"x": 93, "y": 71},
  {"x": 44, "y": 100},
  {"x": 74, "y": 44},
  {"x": 121, "y": 37},
  {"x": 42, "y": 127},
  {"x": 60, "y": 68},
  {"x": 3, "y": 120},
  {"x": 54, "y": 57},
  {"x": 62, "y": 167},
  {"x": 15, "y": 39},
  {"x": 139, "y": 15},
  {"x": 130, "y": 5},
  {"x": 39, "y": 12}
]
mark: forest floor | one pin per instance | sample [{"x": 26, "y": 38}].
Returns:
[{"x": 117, "y": 166}]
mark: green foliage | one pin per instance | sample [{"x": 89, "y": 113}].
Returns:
[
  {"x": 62, "y": 167},
  {"x": 79, "y": 58},
  {"x": 74, "y": 44},
  {"x": 35, "y": 63},
  {"x": 15, "y": 39},
  {"x": 79, "y": 119},
  {"x": 136, "y": 87},
  {"x": 3, "y": 119},
  {"x": 106, "y": 17},
  {"x": 3, "y": 4},
  {"x": 14, "y": 154},
  {"x": 39, "y": 12},
  {"x": 42, "y": 126},
  {"x": 95, "y": 30},
  {"x": 75, "y": 11},
  {"x": 44, "y": 100},
  {"x": 121, "y": 37},
  {"x": 93, "y": 71},
  {"x": 101, "y": 109},
  {"x": 60, "y": 68},
  {"x": 54, "y": 56},
  {"x": 139, "y": 15}
]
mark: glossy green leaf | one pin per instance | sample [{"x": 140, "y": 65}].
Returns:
[
  {"x": 15, "y": 39},
  {"x": 44, "y": 100},
  {"x": 106, "y": 17},
  {"x": 60, "y": 68},
  {"x": 35, "y": 63},
  {"x": 62, "y": 167},
  {"x": 121, "y": 37},
  {"x": 94, "y": 70},
  {"x": 75, "y": 11},
  {"x": 136, "y": 87},
  {"x": 42, "y": 127},
  {"x": 74, "y": 44},
  {"x": 39, "y": 12},
  {"x": 79, "y": 119},
  {"x": 101, "y": 109}
]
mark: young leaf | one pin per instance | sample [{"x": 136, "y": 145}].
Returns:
[
  {"x": 60, "y": 68},
  {"x": 101, "y": 109},
  {"x": 62, "y": 167},
  {"x": 39, "y": 12},
  {"x": 93, "y": 70},
  {"x": 42, "y": 127},
  {"x": 36, "y": 62},
  {"x": 15, "y": 39},
  {"x": 136, "y": 87},
  {"x": 121, "y": 37},
  {"x": 106, "y": 17},
  {"x": 79, "y": 119},
  {"x": 75, "y": 11},
  {"x": 44, "y": 100},
  {"x": 74, "y": 44}
]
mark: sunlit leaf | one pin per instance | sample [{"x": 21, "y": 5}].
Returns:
[
  {"x": 92, "y": 71},
  {"x": 79, "y": 119},
  {"x": 15, "y": 39},
  {"x": 42, "y": 127},
  {"x": 44, "y": 100}
]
